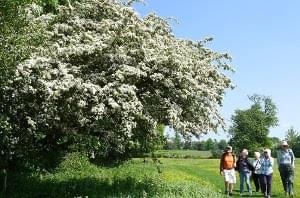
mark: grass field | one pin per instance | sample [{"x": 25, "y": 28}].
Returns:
[
  {"x": 182, "y": 178},
  {"x": 208, "y": 170}
]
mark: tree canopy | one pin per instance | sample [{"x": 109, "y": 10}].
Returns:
[
  {"x": 293, "y": 138},
  {"x": 250, "y": 128},
  {"x": 106, "y": 77}
]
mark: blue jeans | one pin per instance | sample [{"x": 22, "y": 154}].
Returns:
[{"x": 245, "y": 177}]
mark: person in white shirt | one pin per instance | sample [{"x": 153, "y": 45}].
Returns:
[{"x": 256, "y": 173}]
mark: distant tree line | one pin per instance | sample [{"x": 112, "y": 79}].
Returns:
[
  {"x": 179, "y": 142},
  {"x": 217, "y": 146}
]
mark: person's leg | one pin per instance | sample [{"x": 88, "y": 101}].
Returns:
[
  {"x": 269, "y": 184},
  {"x": 263, "y": 184},
  {"x": 259, "y": 181},
  {"x": 232, "y": 181},
  {"x": 226, "y": 187},
  {"x": 290, "y": 181},
  {"x": 256, "y": 181},
  {"x": 226, "y": 181},
  {"x": 283, "y": 176},
  {"x": 230, "y": 189},
  {"x": 248, "y": 182},
  {"x": 242, "y": 179}
]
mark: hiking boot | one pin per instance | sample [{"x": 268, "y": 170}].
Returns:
[{"x": 230, "y": 194}]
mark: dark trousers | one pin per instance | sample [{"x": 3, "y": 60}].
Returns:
[
  {"x": 287, "y": 177},
  {"x": 256, "y": 180},
  {"x": 266, "y": 184}
]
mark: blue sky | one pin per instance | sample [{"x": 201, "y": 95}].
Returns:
[{"x": 261, "y": 36}]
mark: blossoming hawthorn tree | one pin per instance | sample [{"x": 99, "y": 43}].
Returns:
[
  {"x": 108, "y": 76},
  {"x": 17, "y": 41}
]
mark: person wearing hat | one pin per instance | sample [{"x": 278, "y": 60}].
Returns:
[
  {"x": 244, "y": 167},
  {"x": 286, "y": 166},
  {"x": 266, "y": 173},
  {"x": 227, "y": 169}
]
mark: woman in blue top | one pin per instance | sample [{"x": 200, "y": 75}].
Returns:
[
  {"x": 266, "y": 173},
  {"x": 286, "y": 165}
]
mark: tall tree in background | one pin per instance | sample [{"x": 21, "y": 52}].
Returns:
[
  {"x": 177, "y": 140},
  {"x": 250, "y": 128},
  {"x": 296, "y": 147},
  {"x": 210, "y": 144},
  {"x": 275, "y": 143},
  {"x": 222, "y": 144},
  {"x": 187, "y": 144},
  {"x": 292, "y": 137}
]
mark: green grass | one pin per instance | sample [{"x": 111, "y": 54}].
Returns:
[
  {"x": 77, "y": 177},
  {"x": 208, "y": 170},
  {"x": 193, "y": 154}
]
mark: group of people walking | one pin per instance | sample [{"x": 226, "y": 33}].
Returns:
[{"x": 260, "y": 170}]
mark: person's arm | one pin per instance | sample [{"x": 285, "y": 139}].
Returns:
[
  {"x": 272, "y": 161},
  {"x": 234, "y": 159},
  {"x": 237, "y": 165},
  {"x": 250, "y": 166},
  {"x": 255, "y": 165},
  {"x": 293, "y": 158},
  {"x": 278, "y": 158},
  {"x": 221, "y": 164}
]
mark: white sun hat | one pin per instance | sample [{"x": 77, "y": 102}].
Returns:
[
  {"x": 228, "y": 148},
  {"x": 284, "y": 143}
]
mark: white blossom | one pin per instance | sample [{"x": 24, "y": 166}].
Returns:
[{"x": 103, "y": 63}]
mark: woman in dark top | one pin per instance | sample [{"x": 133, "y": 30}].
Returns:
[{"x": 244, "y": 167}]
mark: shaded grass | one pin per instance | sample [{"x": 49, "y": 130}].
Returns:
[{"x": 77, "y": 177}]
